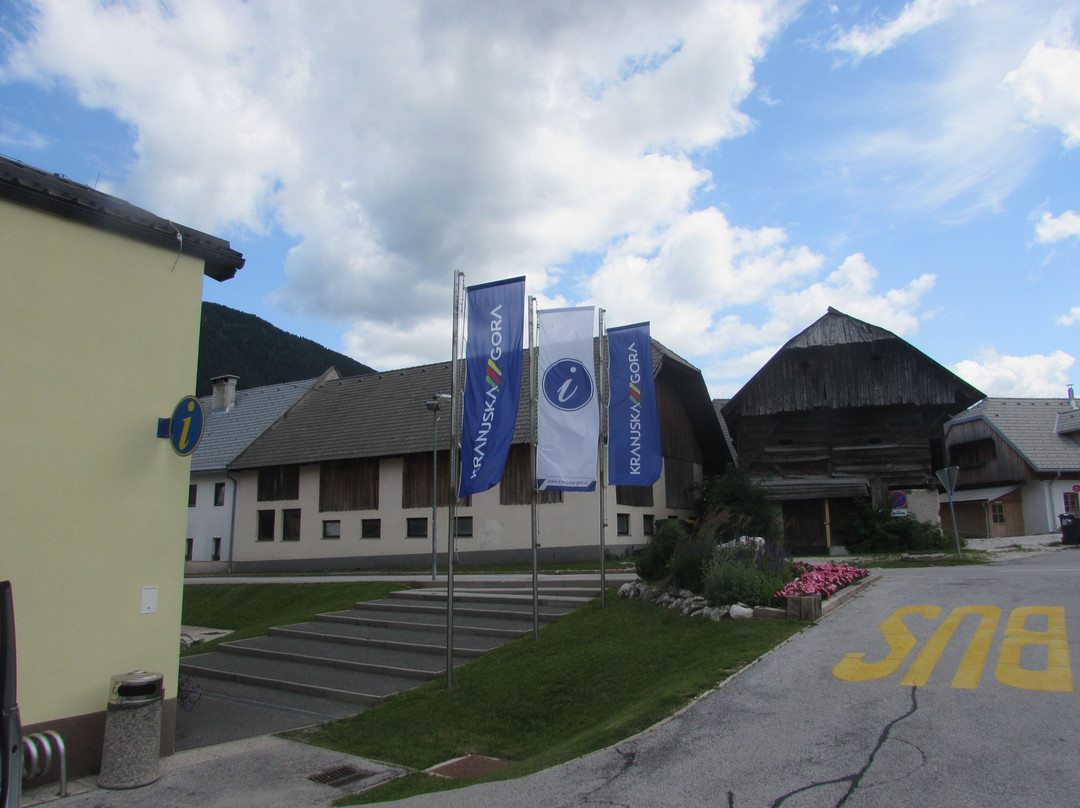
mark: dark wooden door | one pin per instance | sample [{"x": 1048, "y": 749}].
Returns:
[{"x": 804, "y": 525}]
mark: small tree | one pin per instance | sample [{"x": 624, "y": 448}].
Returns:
[{"x": 736, "y": 506}]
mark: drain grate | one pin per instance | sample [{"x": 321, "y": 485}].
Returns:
[{"x": 340, "y": 776}]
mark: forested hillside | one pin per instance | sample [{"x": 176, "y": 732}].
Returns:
[{"x": 247, "y": 346}]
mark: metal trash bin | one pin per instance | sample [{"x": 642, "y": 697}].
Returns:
[
  {"x": 131, "y": 755},
  {"x": 1070, "y": 528}
]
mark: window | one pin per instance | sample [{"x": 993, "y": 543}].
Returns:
[
  {"x": 188, "y": 549},
  {"x": 266, "y": 526},
  {"x": 416, "y": 527},
  {"x": 997, "y": 513},
  {"x": 290, "y": 524},
  {"x": 371, "y": 529},
  {"x": 648, "y": 524},
  {"x": 192, "y": 495},
  {"x": 622, "y": 524},
  {"x": 331, "y": 528},
  {"x": 973, "y": 453},
  {"x": 516, "y": 485},
  {"x": 464, "y": 527},
  {"x": 279, "y": 482},
  {"x": 216, "y": 555},
  {"x": 219, "y": 494},
  {"x": 349, "y": 485},
  {"x": 1072, "y": 502},
  {"x": 639, "y": 496}
]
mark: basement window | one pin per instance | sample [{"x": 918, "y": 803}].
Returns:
[
  {"x": 622, "y": 524},
  {"x": 331, "y": 529},
  {"x": 416, "y": 527},
  {"x": 371, "y": 529}
]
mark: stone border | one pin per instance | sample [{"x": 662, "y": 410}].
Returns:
[{"x": 691, "y": 605}]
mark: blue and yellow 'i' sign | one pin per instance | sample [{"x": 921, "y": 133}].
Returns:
[{"x": 186, "y": 426}]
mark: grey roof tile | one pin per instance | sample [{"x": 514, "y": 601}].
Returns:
[
  {"x": 226, "y": 434},
  {"x": 385, "y": 415},
  {"x": 1032, "y": 427}
]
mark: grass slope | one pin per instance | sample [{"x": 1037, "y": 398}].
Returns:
[
  {"x": 593, "y": 678},
  {"x": 252, "y": 609}
]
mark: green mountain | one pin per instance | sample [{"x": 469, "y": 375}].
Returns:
[{"x": 247, "y": 346}]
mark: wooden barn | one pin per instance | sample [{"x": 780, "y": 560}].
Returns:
[{"x": 845, "y": 411}]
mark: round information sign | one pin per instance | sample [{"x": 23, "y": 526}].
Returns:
[{"x": 186, "y": 426}]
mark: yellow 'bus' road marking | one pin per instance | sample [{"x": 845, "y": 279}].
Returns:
[
  {"x": 971, "y": 666},
  {"x": 852, "y": 668},
  {"x": 1057, "y": 677}
]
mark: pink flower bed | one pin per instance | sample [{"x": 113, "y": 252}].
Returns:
[{"x": 826, "y": 579}]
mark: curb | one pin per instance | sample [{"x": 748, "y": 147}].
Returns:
[{"x": 848, "y": 593}]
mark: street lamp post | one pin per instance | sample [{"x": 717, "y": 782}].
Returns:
[{"x": 433, "y": 404}]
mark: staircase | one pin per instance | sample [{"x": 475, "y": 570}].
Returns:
[{"x": 341, "y": 662}]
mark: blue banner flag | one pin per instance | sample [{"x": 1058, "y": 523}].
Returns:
[
  {"x": 496, "y": 324},
  {"x": 634, "y": 456}
]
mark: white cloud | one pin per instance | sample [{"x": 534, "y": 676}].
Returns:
[
  {"x": 1035, "y": 376},
  {"x": 1050, "y": 229},
  {"x": 1048, "y": 86},
  {"x": 703, "y": 266},
  {"x": 874, "y": 40},
  {"x": 1072, "y": 318},
  {"x": 398, "y": 141}
]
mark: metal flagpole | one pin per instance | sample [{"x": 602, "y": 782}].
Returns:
[
  {"x": 601, "y": 483},
  {"x": 455, "y": 442},
  {"x": 532, "y": 467}
]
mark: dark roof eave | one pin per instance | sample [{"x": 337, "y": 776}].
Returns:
[{"x": 52, "y": 193}]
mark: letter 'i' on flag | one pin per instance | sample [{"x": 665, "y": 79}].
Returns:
[
  {"x": 634, "y": 456},
  {"x": 567, "y": 415},
  {"x": 496, "y": 324}
]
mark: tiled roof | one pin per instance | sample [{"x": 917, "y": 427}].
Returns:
[
  {"x": 57, "y": 194},
  {"x": 385, "y": 415},
  {"x": 1031, "y": 427},
  {"x": 226, "y": 434}
]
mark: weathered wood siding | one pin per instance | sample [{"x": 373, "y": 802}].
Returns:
[
  {"x": 1006, "y": 467},
  {"x": 677, "y": 436},
  {"x": 874, "y": 374},
  {"x": 891, "y": 443}
]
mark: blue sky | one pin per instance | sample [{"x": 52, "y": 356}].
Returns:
[{"x": 726, "y": 170}]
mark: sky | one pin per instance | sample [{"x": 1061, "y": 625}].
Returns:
[{"x": 726, "y": 170}]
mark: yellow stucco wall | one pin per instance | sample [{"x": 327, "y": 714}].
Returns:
[{"x": 99, "y": 339}]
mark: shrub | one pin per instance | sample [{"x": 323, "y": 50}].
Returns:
[
  {"x": 735, "y": 506},
  {"x": 876, "y": 530},
  {"x": 653, "y": 564},
  {"x": 688, "y": 561},
  {"x": 744, "y": 573}
]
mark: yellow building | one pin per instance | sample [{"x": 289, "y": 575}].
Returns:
[{"x": 99, "y": 311}]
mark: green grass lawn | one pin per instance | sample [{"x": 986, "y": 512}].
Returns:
[
  {"x": 590, "y": 680},
  {"x": 252, "y": 609}
]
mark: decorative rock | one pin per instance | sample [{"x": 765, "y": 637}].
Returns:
[{"x": 740, "y": 612}]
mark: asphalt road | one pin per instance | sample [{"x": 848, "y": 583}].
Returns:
[{"x": 936, "y": 687}]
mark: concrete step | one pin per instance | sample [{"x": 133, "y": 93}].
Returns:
[
  {"x": 544, "y": 582},
  {"x": 412, "y": 637},
  {"x": 514, "y": 598},
  {"x": 494, "y": 615},
  {"x": 373, "y": 647},
  {"x": 335, "y": 683},
  {"x": 317, "y": 651}
]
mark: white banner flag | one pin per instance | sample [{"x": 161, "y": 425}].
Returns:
[{"x": 568, "y": 415}]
